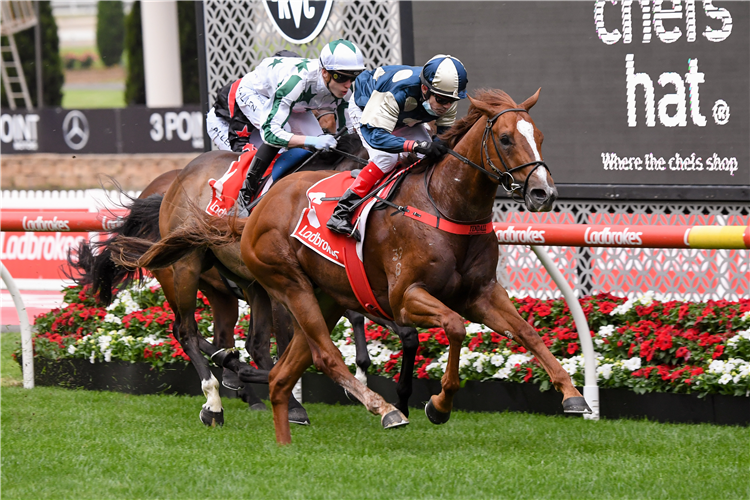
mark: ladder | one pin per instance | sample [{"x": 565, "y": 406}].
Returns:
[{"x": 15, "y": 16}]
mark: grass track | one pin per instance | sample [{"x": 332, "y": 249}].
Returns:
[{"x": 58, "y": 443}]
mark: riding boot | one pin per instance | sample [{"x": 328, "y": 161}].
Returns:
[
  {"x": 258, "y": 166},
  {"x": 341, "y": 220}
]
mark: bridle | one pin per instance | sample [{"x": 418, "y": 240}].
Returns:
[{"x": 503, "y": 177}]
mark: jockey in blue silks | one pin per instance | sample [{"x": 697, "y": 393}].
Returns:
[{"x": 388, "y": 110}]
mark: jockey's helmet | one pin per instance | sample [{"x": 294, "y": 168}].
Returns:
[
  {"x": 446, "y": 76},
  {"x": 342, "y": 56}
]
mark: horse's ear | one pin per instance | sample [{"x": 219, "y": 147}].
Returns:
[
  {"x": 483, "y": 106},
  {"x": 529, "y": 103}
]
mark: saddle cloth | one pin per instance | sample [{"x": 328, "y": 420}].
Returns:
[
  {"x": 342, "y": 250},
  {"x": 224, "y": 191}
]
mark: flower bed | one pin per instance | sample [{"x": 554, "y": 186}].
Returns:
[{"x": 643, "y": 345}]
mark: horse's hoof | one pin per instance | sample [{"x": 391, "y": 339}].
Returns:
[
  {"x": 231, "y": 380},
  {"x": 393, "y": 419},
  {"x": 212, "y": 419},
  {"x": 403, "y": 409},
  {"x": 298, "y": 416},
  {"x": 435, "y": 416},
  {"x": 576, "y": 404},
  {"x": 258, "y": 407}
]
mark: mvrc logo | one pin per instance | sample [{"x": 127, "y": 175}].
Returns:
[{"x": 298, "y": 21}]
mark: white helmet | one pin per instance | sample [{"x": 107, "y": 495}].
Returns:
[{"x": 342, "y": 56}]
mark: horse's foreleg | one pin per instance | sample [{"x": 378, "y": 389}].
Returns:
[
  {"x": 420, "y": 308},
  {"x": 186, "y": 275},
  {"x": 495, "y": 310},
  {"x": 362, "y": 358},
  {"x": 410, "y": 343}
]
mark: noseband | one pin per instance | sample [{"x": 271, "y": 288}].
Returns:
[{"x": 503, "y": 177}]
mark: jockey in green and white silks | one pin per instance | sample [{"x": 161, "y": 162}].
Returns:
[
  {"x": 389, "y": 108},
  {"x": 273, "y": 104}
]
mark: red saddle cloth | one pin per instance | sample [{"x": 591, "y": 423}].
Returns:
[
  {"x": 224, "y": 191},
  {"x": 311, "y": 230}
]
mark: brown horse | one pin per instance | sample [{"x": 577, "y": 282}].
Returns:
[{"x": 420, "y": 275}]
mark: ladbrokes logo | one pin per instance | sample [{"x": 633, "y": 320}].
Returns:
[
  {"x": 528, "y": 235},
  {"x": 608, "y": 237},
  {"x": 317, "y": 241},
  {"x": 39, "y": 224}
]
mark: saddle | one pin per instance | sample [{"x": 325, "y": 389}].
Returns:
[{"x": 225, "y": 190}]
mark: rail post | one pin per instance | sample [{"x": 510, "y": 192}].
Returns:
[
  {"x": 27, "y": 349},
  {"x": 590, "y": 388}
]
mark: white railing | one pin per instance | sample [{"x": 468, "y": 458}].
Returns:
[{"x": 82, "y": 199}]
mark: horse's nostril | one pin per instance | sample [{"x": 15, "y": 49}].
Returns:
[{"x": 539, "y": 195}]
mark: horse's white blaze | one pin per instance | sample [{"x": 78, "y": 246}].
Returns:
[
  {"x": 211, "y": 391},
  {"x": 527, "y": 131}
]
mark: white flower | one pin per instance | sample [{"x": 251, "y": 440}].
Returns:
[
  {"x": 632, "y": 364},
  {"x": 71, "y": 349},
  {"x": 108, "y": 355},
  {"x": 497, "y": 360},
  {"x": 112, "y": 318},
  {"x": 746, "y": 316},
  {"x": 502, "y": 373},
  {"x": 605, "y": 371},
  {"x": 725, "y": 379},
  {"x": 92, "y": 358},
  {"x": 605, "y": 331},
  {"x": 623, "y": 308}
]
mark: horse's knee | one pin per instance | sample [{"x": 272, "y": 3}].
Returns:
[
  {"x": 409, "y": 338},
  {"x": 454, "y": 327}
]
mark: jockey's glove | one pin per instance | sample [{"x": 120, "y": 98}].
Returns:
[
  {"x": 323, "y": 142},
  {"x": 430, "y": 149}
]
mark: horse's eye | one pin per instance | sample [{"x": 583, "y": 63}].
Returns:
[{"x": 505, "y": 140}]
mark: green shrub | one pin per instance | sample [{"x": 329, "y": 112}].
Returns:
[
  {"x": 135, "y": 83},
  {"x": 110, "y": 31},
  {"x": 52, "y": 71}
]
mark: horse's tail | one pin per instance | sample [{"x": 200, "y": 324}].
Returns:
[
  {"x": 199, "y": 231},
  {"x": 93, "y": 260}
]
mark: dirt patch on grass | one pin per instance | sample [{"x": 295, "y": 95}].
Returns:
[{"x": 101, "y": 75}]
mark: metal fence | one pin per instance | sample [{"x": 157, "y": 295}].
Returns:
[
  {"x": 239, "y": 35},
  {"x": 674, "y": 274}
]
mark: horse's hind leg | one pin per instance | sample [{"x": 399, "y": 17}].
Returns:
[
  {"x": 281, "y": 380},
  {"x": 186, "y": 276},
  {"x": 284, "y": 330},
  {"x": 495, "y": 310}
]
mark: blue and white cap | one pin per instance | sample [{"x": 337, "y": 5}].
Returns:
[
  {"x": 342, "y": 56},
  {"x": 446, "y": 76}
]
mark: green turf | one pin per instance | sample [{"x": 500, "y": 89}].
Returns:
[
  {"x": 59, "y": 443},
  {"x": 93, "y": 99}
]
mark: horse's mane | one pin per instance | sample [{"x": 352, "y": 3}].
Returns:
[{"x": 493, "y": 97}]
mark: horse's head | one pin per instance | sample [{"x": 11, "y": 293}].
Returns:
[{"x": 512, "y": 149}]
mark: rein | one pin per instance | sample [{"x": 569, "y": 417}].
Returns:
[{"x": 504, "y": 178}]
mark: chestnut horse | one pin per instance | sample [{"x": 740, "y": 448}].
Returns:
[{"x": 420, "y": 275}]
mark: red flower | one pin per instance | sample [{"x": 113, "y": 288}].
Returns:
[
  {"x": 663, "y": 341},
  {"x": 147, "y": 353},
  {"x": 528, "y": 375},
  {"x": 543, "y": 309},
  {"x": 718, "y": 352},
  {"x": 572, "y": 348},
  {"x": 441, "y": 338},
  {"x": 424, "y": 337},
  {"x": 682, "y": 352},
  {"x": 607, "y": 307}
]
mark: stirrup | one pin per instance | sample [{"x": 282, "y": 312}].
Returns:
[{"x": 223, "y": 356}]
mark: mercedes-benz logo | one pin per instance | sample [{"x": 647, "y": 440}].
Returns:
[{"x": 76, "y": 130}]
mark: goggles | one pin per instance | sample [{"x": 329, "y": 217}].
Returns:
[
  {"x": 341, "y": 77},
  {"x": 442, "y": 100}
]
